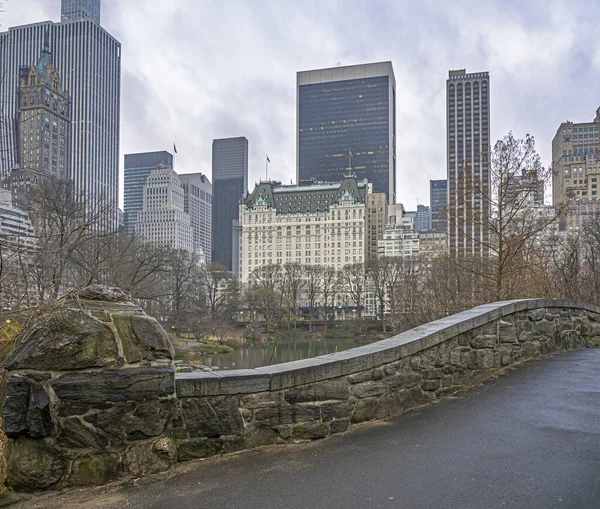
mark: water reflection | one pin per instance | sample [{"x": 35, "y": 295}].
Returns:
[{"x": 256, "y": 355}]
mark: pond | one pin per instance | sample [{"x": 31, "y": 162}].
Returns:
[{"x": 257, "y": 355}]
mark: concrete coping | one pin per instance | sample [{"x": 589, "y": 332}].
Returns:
[{"x": 324, "y": 367}]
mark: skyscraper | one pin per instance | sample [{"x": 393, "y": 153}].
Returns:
[
  {"x": 346, "y": 117},
  {"x": 576, "y": 165},
  {"x": 438, "y": 199},
  {"x": 197, "y": 202},
  {"x": 74, "y": 10},
  {"x": 422, "y": 218},
  {"x": 230, "y": 183},
  {"x": 468, "y": 145},
  {"x": 88, "y": 60},
  {"x": 137, "y": 170},
  {"x": 162, "y": 219},
  {"x": 44, "y": 125}
]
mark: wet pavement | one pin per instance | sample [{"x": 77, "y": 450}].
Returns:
[{"x": 528, "y": 439}]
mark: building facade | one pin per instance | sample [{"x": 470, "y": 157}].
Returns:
[
  {"x": 74, "y": 10},
  {"x": 468, "y": 162},
  {"x": 44, "y": 125},
  {"x": 377, "y": 213},
  {"x": 197, "y": 202},
  {"x": 432, "y": 244},
  {"x": 438, "y": 199},
  {"x": 88, "y": 61},
  {"x": 137, "y": 170},
  {"x": 162, "y": 219},
  {"x": 230, "y": 184},
  {"x": 16, "y": 228},
  {"x": 322, "y": 223},
  {"x": 346, "y": 118},
  {"x": 576, "y": 175},
  {"x": 422, "y": 218}
]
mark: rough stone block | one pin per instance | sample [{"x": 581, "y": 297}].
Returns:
[
  {"x": 336, "y": 388},
  {"x": 336, "y": 410},
  {"x": 134, "y": 420},
  {"x": 75, "y": 434},
  {"x": 64, "y": 340},
  {"x": 33, "y": 465},
  {"x": 545, "y": 328},
  {"x": 507, "y": 332},
  {"x": 260, "y": 400},
  {"x": 286, "y": 414},
  {"x": 94, "y": 469},
  {"x": 531, "y": 349},
  {"x": 198, "y": 448},
  {"x": 432, "y": 373},
  {"x": 26, "y": 409},
  {"x": 310, "y": 430},
  {"x": 365, "y": 410},
  {"x": 143, "y": 338},
  {"x": 339, "y": 426},
  {"x": 430, "y": 385},
  {"x": 362, "y": 376},
  {"x": 211, "y": 416},
  {"x": 368, "y": 389},
  {"x": 131, "y": 384},
  {"x": 536, "y": 315},
  {"x": 152, "y": 338},
  {"x": 150, "y": 457}
]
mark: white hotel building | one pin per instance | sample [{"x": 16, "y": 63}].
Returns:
[{"x": 322, "y": 223}]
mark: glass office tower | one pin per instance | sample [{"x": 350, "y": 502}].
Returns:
[
  {"x": 80, "y": 9},
  {"x": 438, "y": 198},
  {"x": 346, "y": 119},
  {"x": 230, "y": 183}
]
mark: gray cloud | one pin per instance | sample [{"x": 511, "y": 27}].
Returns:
[{"x": 194, "y": 71}]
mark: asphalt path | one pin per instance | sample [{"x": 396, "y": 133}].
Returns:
[{"x": 527, "y": 439}]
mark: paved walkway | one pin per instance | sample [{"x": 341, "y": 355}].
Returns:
[{"x": 529, "y": 439}]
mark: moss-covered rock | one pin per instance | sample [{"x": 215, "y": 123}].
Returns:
[
  {"x": 33, "y": 465},
  {"x": 64, "y": 340}
]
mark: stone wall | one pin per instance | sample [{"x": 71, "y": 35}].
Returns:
[
  {"x": 91, "y": 394},
  {"x": 316, "y": 398},
  {"x": 89, "y": 390}
]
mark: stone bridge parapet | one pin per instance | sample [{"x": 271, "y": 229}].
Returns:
[{"x": 127, "y": 414}]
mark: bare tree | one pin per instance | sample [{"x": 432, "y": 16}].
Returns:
[
  {"x": 314, "y": 289},
  {"x": 353, "y": 277},
  {"x": 505, "y": 212},
  {"x": 330, "y": 289},
  {"x": 378, "y": 274},
  {"x": 293, "y": 284},
  {"x": 221, "y": 290},
  {"x": 64, "y": 219}
]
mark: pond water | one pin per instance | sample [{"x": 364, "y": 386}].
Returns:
[{"x": 256, "y": 355}]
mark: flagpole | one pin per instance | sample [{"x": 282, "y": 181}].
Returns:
[{"x": 266, "y": 167}]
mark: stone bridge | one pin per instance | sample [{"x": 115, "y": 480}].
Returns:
[{"x": 92, "y": 395}]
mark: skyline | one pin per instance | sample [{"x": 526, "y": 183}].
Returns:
[{"x": 203, "y": 84}]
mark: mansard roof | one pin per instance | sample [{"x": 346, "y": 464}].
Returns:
[{"x": 308, "y": 197}]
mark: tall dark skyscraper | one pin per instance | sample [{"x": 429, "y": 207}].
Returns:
[
  {"x": 137, "y": 170},
  {"x": 230, "y": 183},
  {"x": 438, "y": 198},
  {"x": 345, "y": 110},
  {"x": 88, "y": 61},
  {"x": 468, "y": 145},
  {"x": 74, "y": 10}
]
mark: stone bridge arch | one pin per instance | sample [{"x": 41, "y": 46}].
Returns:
[{"x": 92, "y": 394}]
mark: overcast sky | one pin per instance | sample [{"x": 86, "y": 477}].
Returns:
[{"x": 195, "y": 70}]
